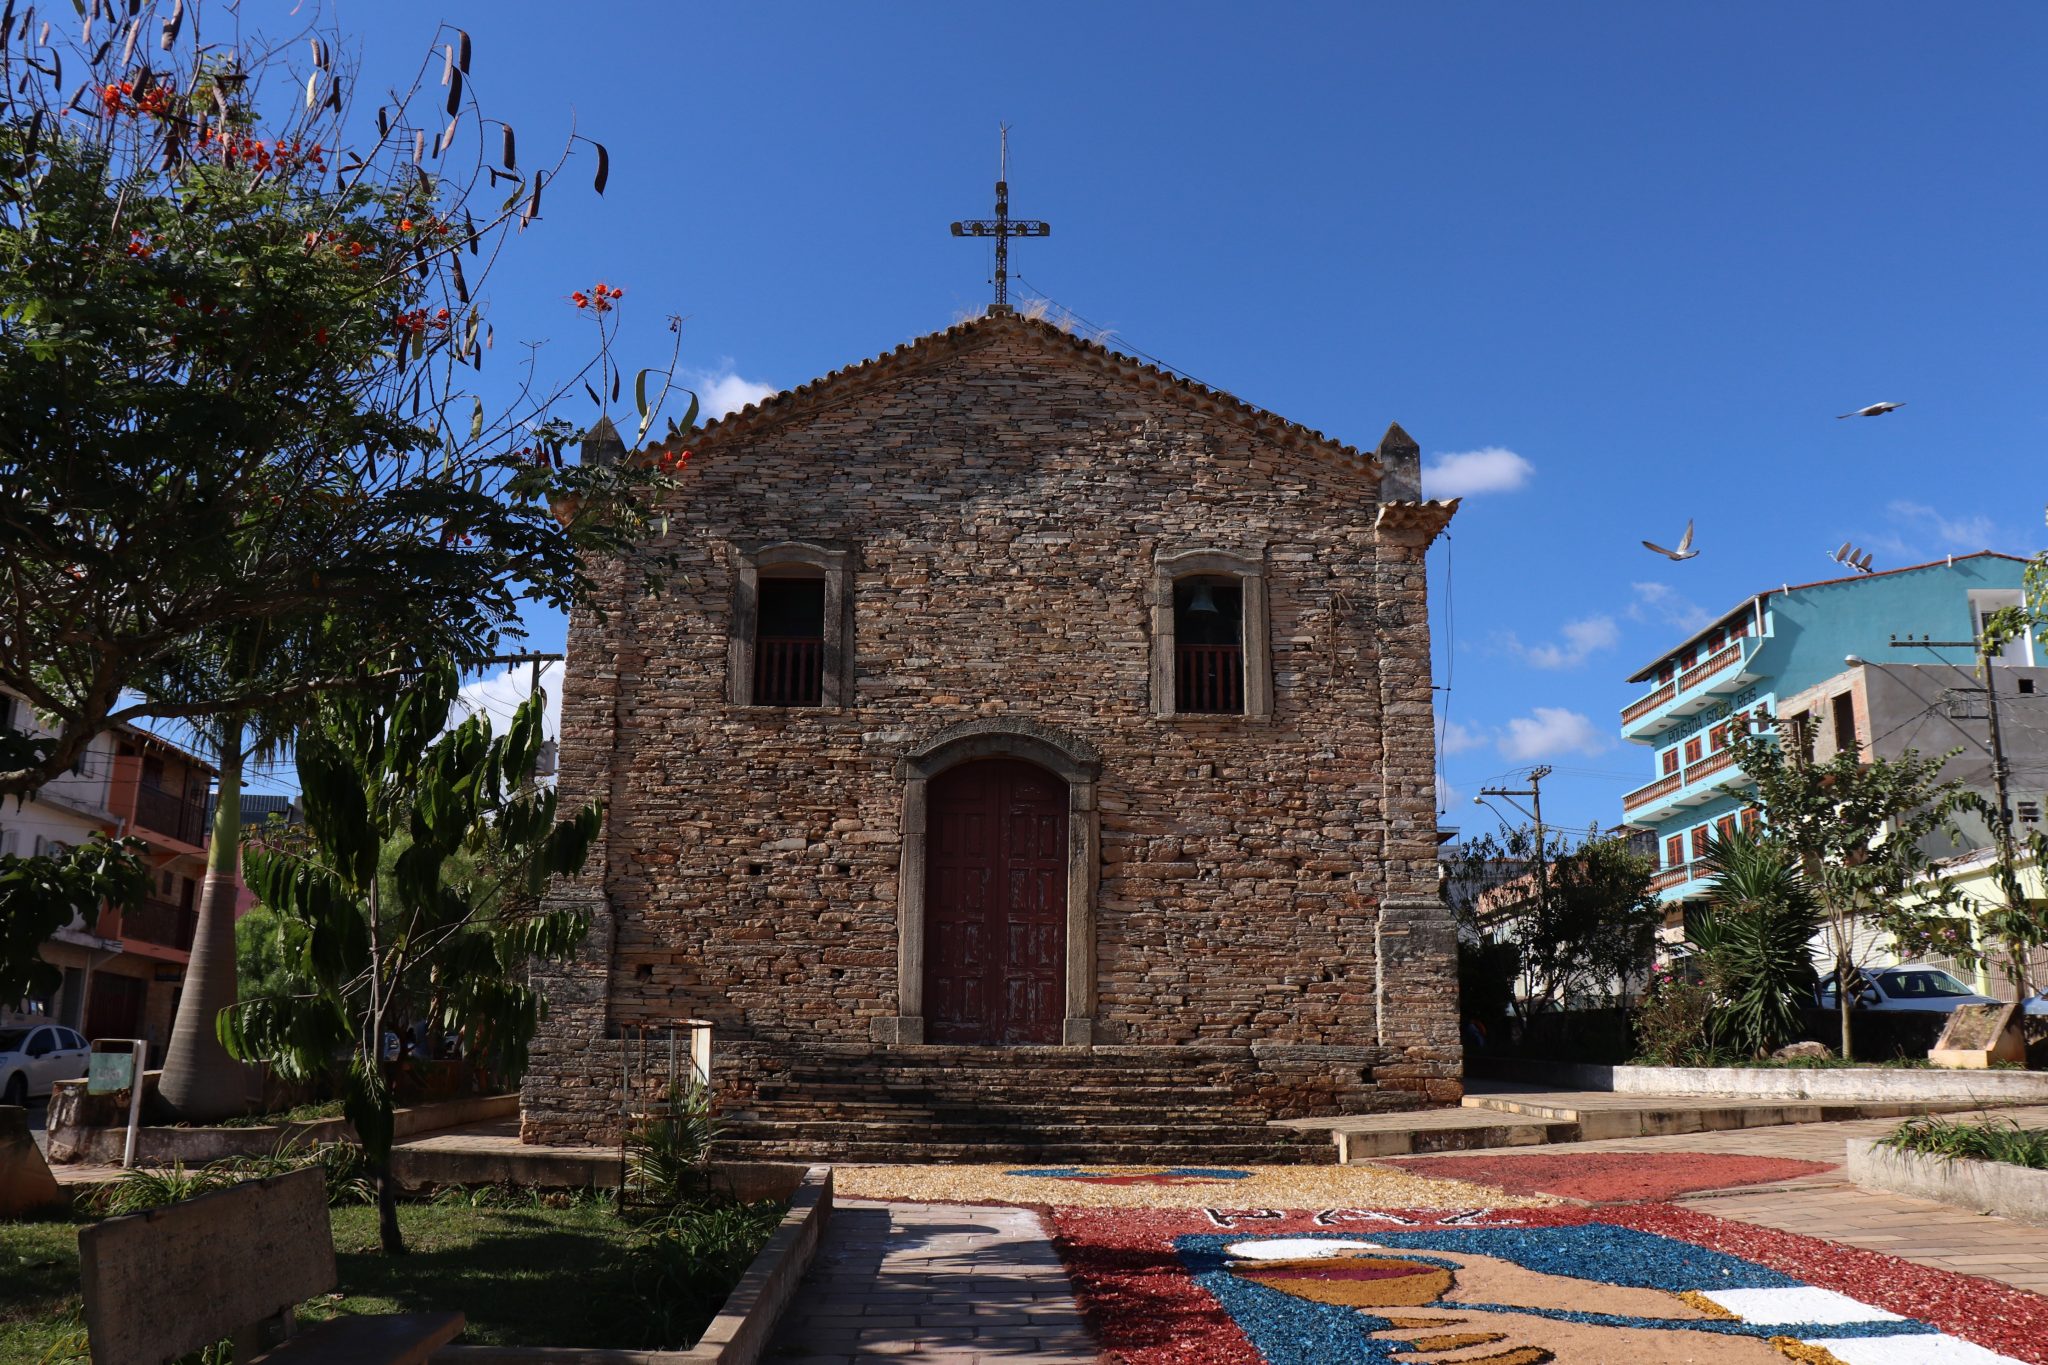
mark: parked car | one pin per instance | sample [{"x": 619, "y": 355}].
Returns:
[
  {"x": 1908, "y": 986},
  {"x": 34, "y": 1059},
  {"x": 2036, "y": 1003}
]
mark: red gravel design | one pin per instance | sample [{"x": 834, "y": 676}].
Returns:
[
  {"x": 1145, "y": 1309},
  {"x": 1613, "y": 1177}
]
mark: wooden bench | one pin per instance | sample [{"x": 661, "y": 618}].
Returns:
[{"x": 234, "y": 1263}]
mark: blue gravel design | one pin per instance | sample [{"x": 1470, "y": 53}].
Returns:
[{"x": 1286, "y": 1330}]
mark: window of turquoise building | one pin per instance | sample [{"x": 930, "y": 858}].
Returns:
[
  {"x": 1699, "y": 841},
  {"x": 1692, "y": 749},
  {"x": 1674, "y": 851},
  {"x": 1671, "y": 760}
]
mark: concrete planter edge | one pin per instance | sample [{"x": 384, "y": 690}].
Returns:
[
  {"x": 160, "y": 1146},
  {"x": 2015, "y": 1192},
  {"x": 740, "y": 1334},
  {"x": 1848, "y": 1085}
]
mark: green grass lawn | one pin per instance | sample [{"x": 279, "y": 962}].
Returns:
[
  {"x": 39, "y": 1292},
  {"x": 529, "y": 1276}
]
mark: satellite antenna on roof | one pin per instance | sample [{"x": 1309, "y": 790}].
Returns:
[{"x": 1853, "y": 558}]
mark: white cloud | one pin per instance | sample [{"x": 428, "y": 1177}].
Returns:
[
  {"x": 1662, "y": 603},
  {"x": 1549, "y": 731},
  {"x": 1975, "y": 532},
  {"x": 1495, "y": 469},
  {"x": 1585, "y": 636},
  {"x": 498, "y": 696},
  {"x": 1459, "y": 739},
  {"x": 721, "y": 390}
]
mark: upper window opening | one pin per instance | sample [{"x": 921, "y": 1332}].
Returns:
[
  {"x": 1845, "y": 723},
  {"x": 789, "y": 643},
  {"x": 1208, "y": 631}
]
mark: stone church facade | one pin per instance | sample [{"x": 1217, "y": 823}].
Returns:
[{"x": 1022, "y": 724}]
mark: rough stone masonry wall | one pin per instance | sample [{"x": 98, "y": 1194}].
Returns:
[{"x": 1260, "y": 880}]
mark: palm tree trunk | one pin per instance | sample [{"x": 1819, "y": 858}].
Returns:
[{"x": 201, "y": 1082}]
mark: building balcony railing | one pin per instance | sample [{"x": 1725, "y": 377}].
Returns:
[
  {"x": 1695, "y": 783},
  {"x": 1692, "y": 690},
  {"x": 168, "y": 814},
  {"x": 789, "y": 671},
  {"x": 1709, "y": 766},
  {"x": 1643, "y": 796},
  {"x": 1730, "y": 653},
  {"x": 1643, "y": 706},
  {"x": 164, "y": 923},
  {"x": 1669, "y": 877}
]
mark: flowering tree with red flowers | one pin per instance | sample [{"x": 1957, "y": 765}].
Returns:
[{"x": 246, "y": 451}]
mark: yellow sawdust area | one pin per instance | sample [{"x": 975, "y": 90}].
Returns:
[
  {"x": 1267, "y": 1187},
  {"x": 1805, "y": 1352},
  {"x": 1705, "y": 1306}
]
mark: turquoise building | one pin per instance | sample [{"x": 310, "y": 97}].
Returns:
[{"x": 1778, "y": 644}]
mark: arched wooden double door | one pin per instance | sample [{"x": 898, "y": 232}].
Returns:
[{"x": 996, "y": 904}]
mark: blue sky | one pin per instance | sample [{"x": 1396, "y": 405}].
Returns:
[{"x": 1650, "y": 250}]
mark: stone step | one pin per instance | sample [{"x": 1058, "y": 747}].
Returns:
[
  {"x": 1158, "y": 1152},
  {"x": 822, "y": 1130},
  {"x": 994, "y": 1104},
  {"x": 1218, "y": 1096}
]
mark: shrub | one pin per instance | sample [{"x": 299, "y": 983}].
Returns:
[
  {"x": 138, "y": 1189},
  {"x": 668, "y": 1154},
  {"x": 1752, "y": 939},
  {"x": 690, "y": 1259},
  {"x": 1674, "y": 1022}
]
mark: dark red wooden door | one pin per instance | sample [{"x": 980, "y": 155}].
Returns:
[{"x": 995, "y": 904}]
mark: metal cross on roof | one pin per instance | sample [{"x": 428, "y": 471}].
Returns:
[{"x": 1002, "y": 227}]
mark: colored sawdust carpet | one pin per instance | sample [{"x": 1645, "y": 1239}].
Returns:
[
  {"x": 1632, "y": 1285},
  {"x": 1279, "y": 1187},
  {"x": 1136, "y": 1175},
  {"x": 1613, "y": 1177}
]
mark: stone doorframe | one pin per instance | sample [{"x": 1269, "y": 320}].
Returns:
[{"x": 1076, "y": 763}]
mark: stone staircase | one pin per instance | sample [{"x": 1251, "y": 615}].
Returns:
[{"x": 1101, "y": 1105}]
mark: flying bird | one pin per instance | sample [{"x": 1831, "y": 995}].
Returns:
[
  {"x": 1684, "y": 550},
  {"x": 1874, "y": 410}
]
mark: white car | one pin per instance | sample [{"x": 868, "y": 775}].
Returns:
[
  {"x": 1913, "y": 986},
  {"x": 35, "y": 1058}
]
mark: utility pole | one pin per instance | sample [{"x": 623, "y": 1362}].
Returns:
[
  {"x": 1535, "y": 795},
  {"x": 2002, "y": 826}
]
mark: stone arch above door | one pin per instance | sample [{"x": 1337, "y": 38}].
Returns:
[{"x": 1075, "y": 762}]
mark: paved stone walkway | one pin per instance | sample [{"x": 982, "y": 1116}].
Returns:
[
  {"x": 951, "y": 1282},
  {"x": 1826, "y": 1205}
]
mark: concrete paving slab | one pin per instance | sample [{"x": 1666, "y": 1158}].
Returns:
[{"x": 953, "y": 1282}]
